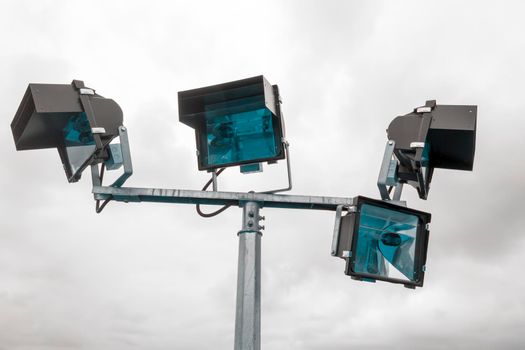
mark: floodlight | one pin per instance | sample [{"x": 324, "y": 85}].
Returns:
[
  {"x": 69, "y": 117},
  {"x": 236, "y": 123},
  {"x": 383, "y": 241},
  {"x": 432, "y": 136}
]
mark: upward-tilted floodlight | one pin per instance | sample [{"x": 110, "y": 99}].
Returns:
[
  {"x": 236, "y": 123},
  {"x": 69, "y": 117},
  {"x": 432, "y": 136}
]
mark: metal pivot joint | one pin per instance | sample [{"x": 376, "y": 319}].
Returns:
[
  {"x": 119, "y": 156},
  {"x": 388, "y": 176},
  {"x": 387, "y": 173},
  {"x": 248, "y": 311}
]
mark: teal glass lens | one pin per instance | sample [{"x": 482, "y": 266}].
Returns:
[
  {"x": 386, "y": 243},
  {"x": 240, "y": 137},
  {"x": 425, "y": 158},
  {"x": 79, "y": 141}
]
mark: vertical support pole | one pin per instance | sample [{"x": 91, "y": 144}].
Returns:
[{"x": 248, "y": 312}]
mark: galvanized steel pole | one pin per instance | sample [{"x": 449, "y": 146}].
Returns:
[{"x": 248, "y": 312}]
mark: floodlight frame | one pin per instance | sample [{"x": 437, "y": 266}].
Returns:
[
  {"x": 194, "y": 119},
  {"x": 45, "y": 108},
  {"x": 345, "y": 239},
  {"x": 431, "y": 136}
]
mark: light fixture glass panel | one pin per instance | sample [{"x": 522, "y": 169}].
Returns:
[
  {"x": 78, "y": 141},
  {"x": 240, "y": 137},
  {"x": 386, "y": 243}
]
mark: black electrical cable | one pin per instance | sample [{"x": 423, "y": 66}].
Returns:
[
  {"x": 198, "y": 206},
  {"x": 98, "y": 207}
]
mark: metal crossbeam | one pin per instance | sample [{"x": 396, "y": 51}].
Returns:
[{"x": 130, "y": 194}]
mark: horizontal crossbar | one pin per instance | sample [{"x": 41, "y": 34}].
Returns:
[{"x": 130, "y": 194}]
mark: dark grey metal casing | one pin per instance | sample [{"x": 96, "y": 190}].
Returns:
[
  {"x": 448, "y": 130},
  {"x": 347, "y": 241},
  {"x": 452, "y": 136},
  {"x": 192, "y": 111},
  {"x": 451, "y": 132},
  {"x": 43, "y": 113}
]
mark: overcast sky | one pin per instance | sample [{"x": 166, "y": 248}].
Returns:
[{"x": 158, "y": 276}]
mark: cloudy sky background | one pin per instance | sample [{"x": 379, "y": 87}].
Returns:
[{"x": 158, "y": 276}]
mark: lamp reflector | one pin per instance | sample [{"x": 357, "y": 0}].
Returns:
[{"x": 386, "y": 243}]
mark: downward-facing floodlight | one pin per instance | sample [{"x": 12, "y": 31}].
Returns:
[
  {"x": 236, "y": 123},
  {"x": 72, "y": 118},
  {"x": 432, "y": 136},
  {"x": 383, "y": 241}
]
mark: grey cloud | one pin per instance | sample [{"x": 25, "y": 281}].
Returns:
[{"x": 158, "y": 276}]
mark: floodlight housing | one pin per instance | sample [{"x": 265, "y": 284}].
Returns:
[
  {"x": 235, "y": 123},
  {"x": 384, "y": 241},
  {"x": 433, "y": 136},
  {"x": 69, "y": 117}
]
